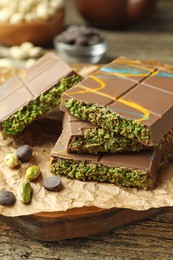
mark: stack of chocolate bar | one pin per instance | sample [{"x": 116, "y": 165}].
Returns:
[{"x": 117, "y": 125}]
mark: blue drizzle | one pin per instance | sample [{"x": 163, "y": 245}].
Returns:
[
  {"x": 122, "y": 71},
  {"x": 128, "y": 112},
  {"x": 164, "y": 74}
]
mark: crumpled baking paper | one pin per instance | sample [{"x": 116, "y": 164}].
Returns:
[{"x": 42, "y": 135}]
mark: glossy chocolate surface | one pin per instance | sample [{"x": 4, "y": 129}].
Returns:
[
  {"x": 28, "y": 85},
  {"x": 132, "y": 90},
  {"x": 74, "y": 126}
]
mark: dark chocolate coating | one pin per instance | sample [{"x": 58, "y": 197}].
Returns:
[{"x": 134, "y": 91}]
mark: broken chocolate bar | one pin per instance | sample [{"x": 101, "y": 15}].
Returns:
[
  {"x": 127, "y": 97},
  {"x": 34, "y": 92},
  {"x": 138, "y": 169},
  {"x": 84, "y": 137}
]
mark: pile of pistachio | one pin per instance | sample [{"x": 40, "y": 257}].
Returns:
[
  {"x": 25, "y": 11},
  {"x": 24, "y": 192}
]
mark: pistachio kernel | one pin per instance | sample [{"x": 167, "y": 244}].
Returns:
[
  {"x": 11, "y": 160},
  {"x": 32, "y": 173},
  {"x": 24, "y": 191}
]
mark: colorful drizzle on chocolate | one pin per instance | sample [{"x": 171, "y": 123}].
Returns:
[
  {"x": 126, "y": 69},
  {"x": 144, "y": 115}
]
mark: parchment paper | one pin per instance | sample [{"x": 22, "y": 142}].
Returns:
[{"x": 42, "y": 135}]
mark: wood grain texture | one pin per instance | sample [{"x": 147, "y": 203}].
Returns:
[
  {"x": 147, "y": 239},
  {"x": 74, "y": 223}
]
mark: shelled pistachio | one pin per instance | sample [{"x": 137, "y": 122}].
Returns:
[
  {"x": 32, "y": 173},
  {"x": 24, "y": 191}
]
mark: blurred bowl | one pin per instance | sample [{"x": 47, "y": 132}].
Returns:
[
  {"x": 114, "y": 14},
  {"x": 81, "y": 54},
  {"x": 39, "y": 32}
]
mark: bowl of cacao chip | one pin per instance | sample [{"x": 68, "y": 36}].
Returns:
[{"x": 79, "y": 43}]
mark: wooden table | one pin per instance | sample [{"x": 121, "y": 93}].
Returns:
[{"x": 148, "y": 239}]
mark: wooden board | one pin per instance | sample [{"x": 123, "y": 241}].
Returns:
[{"x": 74, "y": 223}]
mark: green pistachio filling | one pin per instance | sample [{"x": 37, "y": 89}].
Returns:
[
  {"x": 101, "y": 173},
  {"x": 104, "y": 117},
  {"x": 46, "y": 101},
  {"x": 98, "y": 140}
]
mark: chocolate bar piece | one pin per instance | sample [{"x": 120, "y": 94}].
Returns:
[
  {"x": 84, "y": 137},
  {"x": 34, "y": 92},
  {"x": 128, "y": 169},
  {"x": 127, "y": 97}
]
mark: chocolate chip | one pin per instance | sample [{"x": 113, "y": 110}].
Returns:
[
  {"x": 80, "y": 36},
  {"x": 73, "y": 28},
  {"x": 52, "y": 183},
  {"x": 7, "y": 198},
  {"x": 81, "y": 41},
  {"x": 95, "y": 39},
  {"x": 24, "y": 153}
]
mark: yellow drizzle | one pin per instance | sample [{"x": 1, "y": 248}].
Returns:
[
  {"x": 134, "y": 64},
  {"x": 144, "y": 111},
  {"x": 137, "y": 107},
  {"x": 87, "y": 90}
]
